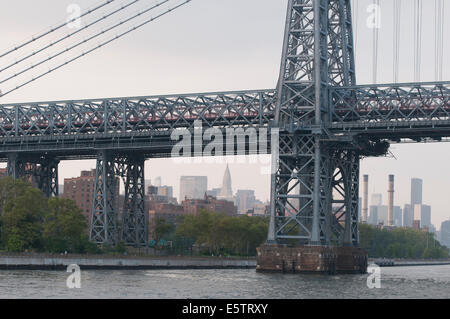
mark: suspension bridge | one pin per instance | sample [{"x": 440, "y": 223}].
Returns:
[{"x": 325, "y": 124}]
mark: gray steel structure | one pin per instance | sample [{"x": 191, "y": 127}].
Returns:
[{"x": 325, "y": 122}]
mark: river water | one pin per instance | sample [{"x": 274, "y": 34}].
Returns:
[{"x": 396, "y": 282}]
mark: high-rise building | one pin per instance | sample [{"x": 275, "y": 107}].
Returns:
[
  {"x": 416, "y": 191},
  {"x": 193, "y": 187},
  {"x": 407, "y": 216},
  {"x": 382, "y": 215},
  {"x": 373, "y": 215},
  {"x": 445, "y": 233},
  {"x": 226, "y": 192},
  {"x": 422, "y": 213},
  {"x": 398, "y": 216},
  {"x": 245, "y": 200}
]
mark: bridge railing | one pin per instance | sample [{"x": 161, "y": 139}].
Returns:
[
  {"x": 390, "y": 103},
  {"x": 152, "y": 113}
]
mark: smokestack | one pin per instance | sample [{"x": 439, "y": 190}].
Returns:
[
  {"x": 391, "y": 201},
  {"x": 365, "y": 199}
]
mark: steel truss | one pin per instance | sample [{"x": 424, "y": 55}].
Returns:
[
  {"x": 317, "y": 53},
  {"x": 136, "y": 114},
  {"x": 105, "y": 215},
  {"x": 41, "y": 171}
]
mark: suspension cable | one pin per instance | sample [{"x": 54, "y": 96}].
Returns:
[
  {"x": 397, "y": 25},
  {"x": 97, "y": 47},
  {"x": 375, "y": 42},
  {"x": 33, "y": 39},
  {"x": 439, "y": 38},
  {"x": 82, "y": 42},
  {"x": 417, "y": 39},
  {"x": 69, "y": 35}
]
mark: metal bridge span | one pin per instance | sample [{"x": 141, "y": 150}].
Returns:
[
  {"x": 326, "y": 124},
  {"x": 35, "y": 137}
]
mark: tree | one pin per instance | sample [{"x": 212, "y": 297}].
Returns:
[
  {"x": 162, "y": 228},
  {"x": 400, "y": 243},
  {"x": 22, "y": 216},
  {"x": 64, "y": 226},
  {"x": 221, "y": 234}
]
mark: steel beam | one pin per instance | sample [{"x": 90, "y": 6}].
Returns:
[{"x": 104, "y": 215}]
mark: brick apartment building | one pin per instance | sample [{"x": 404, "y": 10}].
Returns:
[
  {"x": 81, "y": 190},
  {"x": 210, "y": 203}
]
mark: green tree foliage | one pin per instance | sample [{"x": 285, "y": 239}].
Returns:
[
  {"x": 64, "y": 226},
  {"x": 22, "y": 218},
  {"x": 400, "y": 243},
  {"x": 30, "y": 221},
  {"x": 162, "y": 229},
  {"x": 221, "y": 234}
]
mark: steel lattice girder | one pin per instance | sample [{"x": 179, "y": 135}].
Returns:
[
  {"x": 104, "y": 216},
  {"x": 296, "y": 192},
  {"x": 317, "y": 52},
  {"x": 134, "y": 217},
  {"x": 42, "y": 171},
  {"x": 134, "y": 226},
  {"x": 394, "y": 105},
  {"x": 139, "y": 114},
  {"x": 345, "y": 197}
]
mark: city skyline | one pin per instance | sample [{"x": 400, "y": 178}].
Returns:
[{"x": 252, "y": 62}]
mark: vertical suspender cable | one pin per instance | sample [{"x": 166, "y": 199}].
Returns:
[
  {"x": 397, "y": 24},
  {"x": 439, "y": 38},
  {"x": 417, "y": 39},
  {"x": 375, "y": 42}
]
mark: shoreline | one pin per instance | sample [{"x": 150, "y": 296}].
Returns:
[
  {"x": 113, "y": 262},
  {"x": 57, "y": 262},
  {"x": 408, "y": 263}
]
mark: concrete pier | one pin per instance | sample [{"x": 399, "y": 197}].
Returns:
[{"x": 311, "y": 259}]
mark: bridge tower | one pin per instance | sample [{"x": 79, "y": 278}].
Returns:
[{"x": 314, "y": 190}]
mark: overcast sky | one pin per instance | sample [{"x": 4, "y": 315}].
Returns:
[{"x": 218, "y": 45}]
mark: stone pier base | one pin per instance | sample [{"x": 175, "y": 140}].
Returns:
[{"x": 311, "y": 259}]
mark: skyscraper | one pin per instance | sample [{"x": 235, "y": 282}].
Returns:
[
  {"x": 422, "y": 213},
  {"x": 407, "y": 216},
  {"x": 245, "y": 200},
  {"x": 445, "y": 233},
  {"x": 416, "y": 191},
  {"x": 226, "y": 192},
  {"x": 416, "y": 199},
  {"x": 193, "y": 187}
]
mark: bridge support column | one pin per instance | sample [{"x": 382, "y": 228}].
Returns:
[
  {"x": 134, "y": 217},
  {"x": 104, "y": 216},
  {"x": 314, "y": 222},
  {"x": 300, "y": 217},
  {"x": 42, "y": 172},
  {"x": 47, "y": 177},
  {"x": 346, "y": 197}
]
